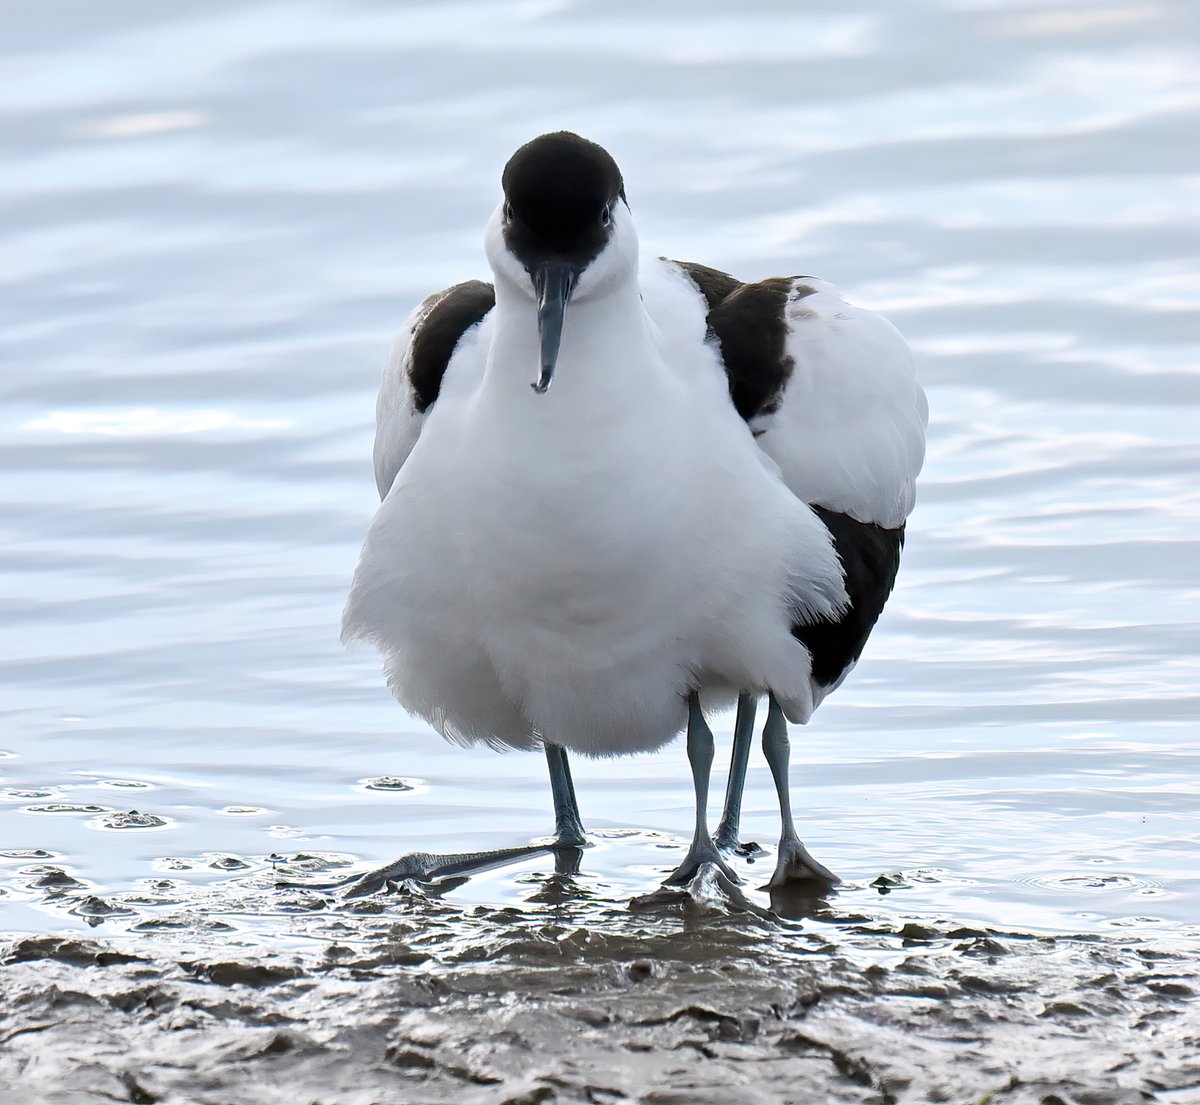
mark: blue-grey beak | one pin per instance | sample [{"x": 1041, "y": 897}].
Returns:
[{"x": 553, "y": 281}]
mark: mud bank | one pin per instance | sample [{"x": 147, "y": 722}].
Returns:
[{"x": 420, "y": 1002}]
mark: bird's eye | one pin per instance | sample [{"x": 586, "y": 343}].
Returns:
[
  {"x": 508, "y": 212},
  {"x": 606, "y": 215}
]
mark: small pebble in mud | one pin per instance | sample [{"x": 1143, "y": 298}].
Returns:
[
  {"x": 310, "y": 864},
  {"x": 97, "y": 909},
  {"x": 388, "y": 782},
  {"x": 52, "y": 878},
  {"x": 65, "y": 807},
  {"x": 640, "y": 970},
  {"x": 301, "y": 903},
  {"x": 134, "y": 819},
  {"x": 180, "y": 922},
  {"x": 152, "y": 900}
]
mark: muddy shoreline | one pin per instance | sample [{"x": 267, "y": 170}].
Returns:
[{"x": 418, "y": 1001}]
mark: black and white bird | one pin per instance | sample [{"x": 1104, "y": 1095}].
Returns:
[{"x": 700, "y": 499}]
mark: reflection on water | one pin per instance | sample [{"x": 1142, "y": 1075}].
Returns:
[{"x": 214, "y": 219}]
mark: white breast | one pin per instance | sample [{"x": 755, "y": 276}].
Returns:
[{"x": 570, "y": 565}]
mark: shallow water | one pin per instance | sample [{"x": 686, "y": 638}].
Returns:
[{"x": 214, "y": 222}]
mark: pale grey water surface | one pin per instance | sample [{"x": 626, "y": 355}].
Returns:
[{"x": 216, "y": 216}]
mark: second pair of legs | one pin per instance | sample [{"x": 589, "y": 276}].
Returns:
[{"x": 794, "y": 866}]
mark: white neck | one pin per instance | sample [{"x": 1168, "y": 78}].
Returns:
[{"x": 606, "y": 344}]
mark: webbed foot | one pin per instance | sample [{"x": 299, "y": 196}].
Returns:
[
  {"x": 423, "y": 867},
  {"x": 795, "y": 867},
  {"x": 703, "y": 851}
]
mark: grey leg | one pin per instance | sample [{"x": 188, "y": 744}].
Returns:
[
  {"x": 426, "y": 867},
  {"x": 568, "y": 828},
  {"x": 726, "y": 837},
  {"x": 700, "y": 756},
  {"x": 794, "y": 863}
]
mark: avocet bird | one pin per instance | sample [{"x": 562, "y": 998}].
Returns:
[{"x": 701, "y": 498}]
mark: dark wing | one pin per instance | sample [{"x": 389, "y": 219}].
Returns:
[
  {"x": 412, "y": 378},
  {"x": 748, "y": 323},
  {"x": 870, "y": 557},
  {"x": 830, "y": 393}
]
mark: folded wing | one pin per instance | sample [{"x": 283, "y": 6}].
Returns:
[
  {"x": 417, "y": 368},
  {"x": 830, "y": 392}
]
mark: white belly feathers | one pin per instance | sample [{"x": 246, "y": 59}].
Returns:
[{"x": 568, "y": 566}]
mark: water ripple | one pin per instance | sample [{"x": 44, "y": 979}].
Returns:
[{"x": 216, "y": 219}]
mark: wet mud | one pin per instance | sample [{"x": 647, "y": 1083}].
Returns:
[{"x": 404, "y": 998}]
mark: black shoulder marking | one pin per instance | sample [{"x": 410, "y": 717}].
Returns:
[
  {"x": 751, "y": 326},
  {"x": 870, "y": 557},
  {"x": 713, "y": 284},
  {"x": 437, "y": 335}
]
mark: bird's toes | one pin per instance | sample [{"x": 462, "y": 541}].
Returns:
[
  {"x": 795, "y": 867},
  {"x": 693, "y": 864},
  {"x": 414, "y": 867}
]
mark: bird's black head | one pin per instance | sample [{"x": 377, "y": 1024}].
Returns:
[
  {"x": 559, "y": 195},
  {"x": 559, "y": 192}
]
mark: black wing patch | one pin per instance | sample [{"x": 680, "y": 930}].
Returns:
[
  {"x": 749, "y": 322},
  {"x": 437, "y": 334},
  {"x": 870, "y": 558},
  {"x": 713, "y": 284}
]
